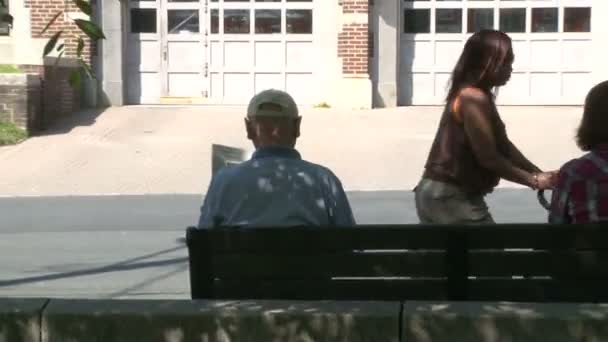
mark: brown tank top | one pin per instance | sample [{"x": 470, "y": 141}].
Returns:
[{"x": 452, "y": 160}]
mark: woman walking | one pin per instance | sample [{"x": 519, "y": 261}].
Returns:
[{"x": 471, "y": 151}]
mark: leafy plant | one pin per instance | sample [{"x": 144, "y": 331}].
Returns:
[{"x": 87, "y": 27}]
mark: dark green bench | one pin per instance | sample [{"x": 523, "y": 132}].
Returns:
[{"x": 508, "y": 262}]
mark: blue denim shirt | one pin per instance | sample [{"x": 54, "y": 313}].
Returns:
[{"x": 275, "y": 188}]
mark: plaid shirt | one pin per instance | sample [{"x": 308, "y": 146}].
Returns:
[{"x": 581, "y": 195}]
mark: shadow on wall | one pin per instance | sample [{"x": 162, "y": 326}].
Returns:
[
  {"x": 173, "y": 321},
  {"x": 62, "y": 104},
  {"x": 134, "y": 79},
  {"x": 405, "y": 76},
  {"x": 443, "y": 322}
]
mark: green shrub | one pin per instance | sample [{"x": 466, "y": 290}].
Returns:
[{"x": 11, "y": 134}]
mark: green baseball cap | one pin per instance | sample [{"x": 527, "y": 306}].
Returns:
[{"x": 279, "y": 105}]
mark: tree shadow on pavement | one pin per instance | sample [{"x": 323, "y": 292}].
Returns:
[
  {"x": 66, "y": 124},
  {"x": 127, "y": 265}
]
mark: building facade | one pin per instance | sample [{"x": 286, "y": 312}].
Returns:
[
  {"x": 223, "y": 52},
  {"x": 23, "y": 43},
  {"x": 559, "y": 46},
  {"x": 344, "y": 53}
]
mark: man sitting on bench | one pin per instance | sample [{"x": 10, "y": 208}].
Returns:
[{"x": 275, "y": 187}]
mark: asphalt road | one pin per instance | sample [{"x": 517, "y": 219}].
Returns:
[{"x": 132, "y": 246}]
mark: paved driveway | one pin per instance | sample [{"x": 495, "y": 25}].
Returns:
[{"x": 166, "y": 150}]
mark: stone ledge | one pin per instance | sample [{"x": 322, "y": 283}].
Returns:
[
  {"x": 129, "y": 320},
  {"x": 25, "y": 80},
  {"x": 20, "y": 319},
  {"x": 504, "y": 322},
  {"x": 42, "y": 320}
]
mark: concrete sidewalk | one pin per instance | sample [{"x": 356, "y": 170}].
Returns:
[{"x": 166, "y": 150}]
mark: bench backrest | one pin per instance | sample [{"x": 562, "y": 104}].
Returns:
[{"x": 402, "y": 262}]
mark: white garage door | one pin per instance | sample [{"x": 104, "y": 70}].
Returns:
[
  {"x": 219, "y": 51},
  {"x": 165, "y": 50},
  {"x": 551, "y": 39},
  {"x": 255, "y": 45}
]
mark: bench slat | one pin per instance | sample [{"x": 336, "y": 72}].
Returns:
[
  {"x": 582, "y": 237},
  {"x": 538, "y": 290},
  {"x": 321, "y": 239},
  {"x": 562, "y": 264},
  {"x": 319, "y": 289},
  {"x": 354, "y": 264}
]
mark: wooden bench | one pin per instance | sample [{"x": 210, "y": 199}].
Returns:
[{"x": 508, "y": 262}]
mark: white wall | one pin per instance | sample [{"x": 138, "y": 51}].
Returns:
[
  {"x": 599, "y": 29},
  {"x": 20, "y": 47}
]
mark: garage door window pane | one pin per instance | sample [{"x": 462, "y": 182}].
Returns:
[
  {"x": 577, "y": 19},
  {"x": 143, "y": 20},
  {"x": 417, "y": 21},
  {"x": 183, "y": 21},
  {"x": 215, "y": 21},
  {"x": 236, "y": 21},
  {"x": 513, "y": 20},
  {"x": 479, "y": 19},
  {"x": 268, "y": 21},
  {"x": 544, "y": 20},
  {"x": 449, "y": 20},
  {"x": 299, "y": 21}
]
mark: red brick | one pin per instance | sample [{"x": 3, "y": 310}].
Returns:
[
  {"x": 354, "y": 42},
  {"x": 42, "y": 11}
]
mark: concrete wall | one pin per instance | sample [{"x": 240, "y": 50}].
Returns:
[
  {"x": 110, "y": 57},
  {"x": 213, "y": 321},
  {"x": 599, "y": 29},
  {"x": 57, "y": 320},
  {"x": 504, "y": 322},
  {"x": 385, "y": 66}
]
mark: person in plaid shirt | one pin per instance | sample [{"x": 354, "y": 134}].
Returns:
[{"x": 581, "y": 195}]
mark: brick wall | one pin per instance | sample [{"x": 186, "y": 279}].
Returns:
[
  {"x": 20, "y": 100},
  {"x": 58, "y": 98},
  {"x": 354, "y": 41}
]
